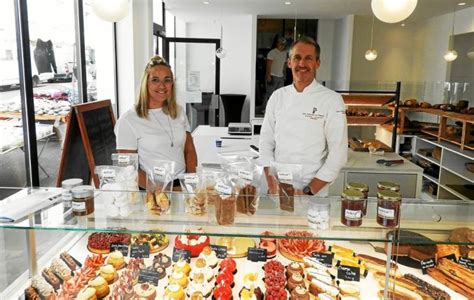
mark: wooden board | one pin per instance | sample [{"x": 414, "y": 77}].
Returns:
[
  {"x": 354, "y": 120},
  {"x": 89, "y": 141},
  {"x": 362, "y": 145},
  {"x": 366, "y": 100}
]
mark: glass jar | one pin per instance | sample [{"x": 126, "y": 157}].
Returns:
[
  {"x": 351, "y": 207},
  {"x": 388, "y": 208},
  {"x": 318, "y": 215},
  {"x": 361, "y": 187},
  {"x": 67, "y": 185},
  {"x": 82, "y": 200},
  {"x": 388, "y": 186}
]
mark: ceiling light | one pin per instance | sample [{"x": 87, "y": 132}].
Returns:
[
  {"x": 206, "y": 2},
  {"x": 111, "y": 11},
  {"x": 450, "y": 55},
  {"x": 403, "y": 25},
  {"x": 462, "y": 3},
  {"x": 287, "y": 3},
  {"x": 393, "y": 11},
  {"x": 371, "y": 54}
]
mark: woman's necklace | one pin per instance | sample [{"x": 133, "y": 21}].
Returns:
[{"x": 170, "y": 134}]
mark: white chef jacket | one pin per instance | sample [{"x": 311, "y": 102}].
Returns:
[{"x": 308, "y": 128}]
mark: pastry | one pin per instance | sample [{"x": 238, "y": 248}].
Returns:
[
  {"x": 43, "y": 288},
  {"x": 443, "y": 250},
  {"x": 156, "y": 267},
  {"x": 427, "y": 288},
  {"x": 94, "y": 261},
  {"x": 247, "y": 200},
  {"x": 60, "y": 269},
  {"x": 465, "y": 237},
  {"x": 399, "y": 287},
  {"x": 193, "y": 243},
  {"x": 163, "y": 260},
  {"x": 317, "y": 286},
  {"x": 286, "y": 194},
  {"x": 222, "y": 292},
  {"x": 199, "y": 284},
  {"x": 87, "y": 294},
  {"x": 157, "y": 202},
  {"x": 178, "y": 278},
  {"x": 200, "y": 266},
  {"x": 225, "y": 209},
  {"x": 236, "y": 246},
  {"x": 156, "y": 240},
  {"x": 410, "y": 103},
  {"x": 274, "y": 279},
  {"x": 174, "y": 292},
  {"x": 197, "y": 296},
  {"x": 294, "y": 267},
  {"x": 349, "y": 288},
  {"x": 225, "y": 278},
  {"x": 268, "y": 236},
  {"x": 276, "y": 293},
  {"x": 210, "y": 256},
  {"x": 250, "y": 280},
  {"x": 251, "y": 294},
  {"x": 108, "y": 272},
  {"x": 100, "y": 285},
  {"x": 31, "y": 294},
  {"x": 182, "y": 266},
  {"x": 296, "y": 249},
  {"x": 271, "y": 248},
  {"x": 425, "y": 105},
  {"x": 99, "y": 242},
  {"x": 320, "y": 275},
  {"x": 145, "y": 291},
  {"x": 70, "y": 262},
  {"x": 51, "y": 278},
  {"x": 116, "y": 260},
  {"x": 299, "y": 293},
  {"x": 273, "y": 266},
  {"x": 451, "y": 282},
  {"x": 294, "y": 281},
  {"x": 421, "y": 245},
  {"x": 196, "y": 204},
  {"x": 228, "y": 264}
]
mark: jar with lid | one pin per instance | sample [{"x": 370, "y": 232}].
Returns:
[
  {"x": 361, "y": 187},
  {"x": 82, "y": 200},
  {"x": 388, "y": 208},
  {"x": 318, "y": 215},
  {"x": 388, "y": 186},
  {"x": 67, "y": 185},
  {"x": 351, "y": 207}
]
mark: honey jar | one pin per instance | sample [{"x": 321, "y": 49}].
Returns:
[
  {"x": 82, "y": 200},
  {"x": 351, "y": 207},
  {"x": 361, "y": 187},
  {"x": 388, "y": 186},
  {"x": 388, "y": 208}
]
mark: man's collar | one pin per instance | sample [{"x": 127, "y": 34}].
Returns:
[{"x": 314, "y": 84}]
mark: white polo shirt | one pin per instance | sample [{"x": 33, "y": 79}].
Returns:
[
  {"x": 151, "y": 137},
  {"x": 278, "y": 59},
  {"x": 308, "y": 128}
]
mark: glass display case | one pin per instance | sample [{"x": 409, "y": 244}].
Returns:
[{"x": 263, "y": 253}]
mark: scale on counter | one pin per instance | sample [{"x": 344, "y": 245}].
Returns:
[{"x": 239, "y": 129}]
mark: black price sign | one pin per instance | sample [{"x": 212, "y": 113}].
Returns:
[
  {"x": 467, "y": 262},
  {"x": 348, "y": 273},
  {"x": 221, "y": 251},
  {"x": 119, "y": 247},
  {"x": 451, "y": 257},
  {"x": 427, "y": 264},
  {"x": 324, "y": 258},
  {"x": 140, "y": 251},
  {"x": 256, "y": 254},
  {"x": 181, "y": 254},
  {"x": 148, "y": 276}
]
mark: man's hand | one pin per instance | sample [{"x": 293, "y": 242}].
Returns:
[{"x": 316, "y": 185}]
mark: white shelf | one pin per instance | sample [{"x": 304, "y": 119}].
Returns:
[
  {"x": 432, "y": 160},
  {"x": 427, "y": 196},
  {"x": 459, "y": 195},
  {"x": 431, "y": 178}
]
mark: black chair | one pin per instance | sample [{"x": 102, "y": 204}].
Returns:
[{"x": 233, "y": 104}]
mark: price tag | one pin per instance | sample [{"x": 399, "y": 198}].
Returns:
[
  {"x": 140, "y": 251},
  {"x": 223, "y": 189},
  {"x": 324, "y": 258},
  {"x": 150, "y": 276},
  {"x": 119, "y": 247},
  {"x": 256, "y": 254},
  {"x": 467, "y": 262},
  {"x": 451, "y": 257},
  {"x": 286, "y": 177},
  {"x": 181, "y": 254},
  {"x": 123, "y": 159},
  {"x": 427, "y": 264},
  {"x": 221, "y": 251},
  {"x": 348, "y": 273},
  {"x": 108, "y": 173},
  {"x": 191, "y": 179},
  {"x": 246, "y": 175}
]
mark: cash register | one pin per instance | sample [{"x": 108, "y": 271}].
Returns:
[{"x": 239, "y": 129}]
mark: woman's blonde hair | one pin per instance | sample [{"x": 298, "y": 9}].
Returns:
[{"x": 141, "y": 107}]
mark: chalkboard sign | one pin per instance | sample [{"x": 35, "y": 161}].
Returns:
[
  {"x": 181, "y": 254},
  {"x": 324, "y": 258},
  {"x": 140, "y": 251},
  {"x": 148, "y": 276},
  {"x": 348, "y": 273},
  {"x": 119, "y": 247},
  {"x": 427, "y": 264},
  {"x": 221, "y": 251},
  {"x": 90, "y": 141},
  {"x": 467, "y": 262},
  {"x": 256, "y": 254}
]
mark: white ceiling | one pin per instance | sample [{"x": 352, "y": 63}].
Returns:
[{"x": 196, "y": 10}]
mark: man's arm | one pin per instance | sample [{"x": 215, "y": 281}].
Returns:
[{"x": 268, "y": 74}]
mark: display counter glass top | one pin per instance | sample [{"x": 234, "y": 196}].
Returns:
[{"x": 435, "y": 220}]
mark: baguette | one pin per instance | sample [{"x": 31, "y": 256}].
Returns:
[
  {"x": 450, "y": 283},
  {"x": 376, "y": 264},
  {"x": 402, "y": 287},
  {"x": 456, "y": 271}
]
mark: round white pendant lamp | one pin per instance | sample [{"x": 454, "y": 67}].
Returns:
[
  {"x": 111, "y": 11},
  {"x": 393, "y": 11},
  {"x": 221, "y": 52},
  {"x": 371, "y": 54},
  {"x": 450, "y": 55}
]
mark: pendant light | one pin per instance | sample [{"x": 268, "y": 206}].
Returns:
[
  {"x": 111, "y": 11},
  {"x": 451, "y": 54},
  {"x": 221, "y": 52},
  {"x": 371, "y": 54},
  {"x": 393, "y": 11}
]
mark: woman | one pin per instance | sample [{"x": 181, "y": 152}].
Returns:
[{"x": 157, "y": 127}]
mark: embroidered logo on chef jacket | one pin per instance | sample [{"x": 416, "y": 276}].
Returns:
[{"x": 314, "y": 115}]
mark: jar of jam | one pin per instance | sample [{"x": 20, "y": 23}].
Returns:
[
  {"x": 67, "y": 185},
  {"x": 351, "y": 207},
  {"x": 82, "y": 200},
  {"x": 361, "y": 187},
  {"x": 388, "y": 186},
  {"x": 388, "y": 208}
]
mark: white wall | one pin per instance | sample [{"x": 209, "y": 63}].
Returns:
[
  {"x": 342, "y": 55},
  {"x": 326, "y": 37}
]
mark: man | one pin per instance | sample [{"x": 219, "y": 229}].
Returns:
[
  {"x": 305, "y": 123},
  {"x": 276, "y": 68}
]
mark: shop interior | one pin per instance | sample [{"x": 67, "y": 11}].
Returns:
[{"x": 408, "y": 88}]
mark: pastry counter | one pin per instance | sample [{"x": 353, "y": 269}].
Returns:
[{"x": 272, "y": 253}]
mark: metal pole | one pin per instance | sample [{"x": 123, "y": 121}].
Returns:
[
  {"x": 80, "y": 50},
  {"x": 395, "y": 117},
  {"x": 117, "y": 105},
  {"x": 26, "y": 92}
]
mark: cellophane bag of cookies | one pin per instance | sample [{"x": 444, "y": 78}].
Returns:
[
  {"x": 195, "y": 197},
  {"x": 289, "y": 180},
  {"x": 247, "y": 178},
  {"x": 159, "y": 186},
  {"x": 225, "y": 202},
  {"x": 115, "y": 191},
  {"x": 128, "y": 174},
  {"x": 207, "y": 183}
]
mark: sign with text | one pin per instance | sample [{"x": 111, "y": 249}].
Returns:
[
  {"x": 221, "y": 251},
  {"x": 324, "y": 258},
  {"x": 467, "y": 262},
  {"x": 181, "y": 254},
  {"x": 257, "y": 254},
  {"x": 348, "y": 273},
  {"x": 427, "y": 264},
  {"x": 148, "y": 276},
  {"x": 140, "y": 251},
  {"x": 119, "y": 247}
]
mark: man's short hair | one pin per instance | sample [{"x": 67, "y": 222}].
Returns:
[{"x": 306, "y": 40}]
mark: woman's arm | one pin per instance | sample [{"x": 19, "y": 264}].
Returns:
[
  {"x": 190, "y": 155},
  {"x": 141, "y": 173}
]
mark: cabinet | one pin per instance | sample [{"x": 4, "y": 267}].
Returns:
[{"x": 347, "y": 251}]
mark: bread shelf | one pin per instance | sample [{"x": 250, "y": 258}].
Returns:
[
  {"x": 454, "y": 192},
  {"x": 366, "y": 100},
  {"x": 430, "y": 178},
  {"x": 430, "y": 159},
  {"x": 368, "y": 121}
]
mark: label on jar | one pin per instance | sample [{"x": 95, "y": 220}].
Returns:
[
  {"x": 159, "y": 171},
  {"x": 123, "y": 159},
  {"x": 108, "y": 173},
  {"x": 78, "y": 206},
  {"x": 386, "y": 213},
  {"x": 67, "y": 195},
  {"x": 223, "y": 189},
  {"x": 191, "y": 179},
  {"x": 353, "y": 214},
  {"x": 285, "y": 177},
  {"x": 246, "y": 175}
]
